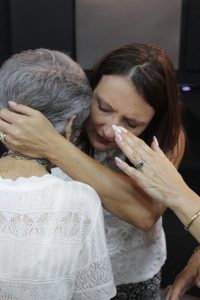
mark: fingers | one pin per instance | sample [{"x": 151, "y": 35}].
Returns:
[
  {"x": 155, "y": 146},
  {"x": 22, "y": 109},
  {"x": 182, "y": 284},
  {"x": 130, "y": 171},
  {"x": 9, "y": 116},
  {"x": 132, "y": 146}
]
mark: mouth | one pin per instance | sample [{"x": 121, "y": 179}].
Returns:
[{"x": 103, "y": 140}]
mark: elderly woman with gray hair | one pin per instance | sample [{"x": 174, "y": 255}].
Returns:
[{"x": 52, "y": 243}]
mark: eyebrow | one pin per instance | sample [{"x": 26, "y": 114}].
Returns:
[
  {"x": 135, "y": 122},
  {"x": 102, "y": 100}
]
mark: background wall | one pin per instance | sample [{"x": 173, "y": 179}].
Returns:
[
  {"x": 34, "y": 24},
  {"x": 102, "y": 25}
]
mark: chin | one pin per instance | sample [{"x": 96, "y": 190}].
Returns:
[{"x": 102, "y": 148}]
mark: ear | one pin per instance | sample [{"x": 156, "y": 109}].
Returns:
[{"x": 68, "y": 128}]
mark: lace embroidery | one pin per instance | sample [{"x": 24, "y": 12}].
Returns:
[
  {"x": 96, "y": 274},
  {"x": 94, "y": 282},
  {"x": 43, "y": 225},
  {"x": 136, "y": 255}
]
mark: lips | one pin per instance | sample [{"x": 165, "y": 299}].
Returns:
[{"x": 102, "y": 139}]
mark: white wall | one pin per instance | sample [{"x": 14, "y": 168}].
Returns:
[{"x": 102, "y": 25}]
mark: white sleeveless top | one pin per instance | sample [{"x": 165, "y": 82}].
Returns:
[{"x": 52, "y": 241}]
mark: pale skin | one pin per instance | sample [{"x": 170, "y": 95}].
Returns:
[
  {"x": 107, "y": 109},
  {"x": 160, "y": 179}
]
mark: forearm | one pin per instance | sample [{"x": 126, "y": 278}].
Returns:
[
  {"x": 118, "y": 192},
  {"x": 186, "y": 204}
]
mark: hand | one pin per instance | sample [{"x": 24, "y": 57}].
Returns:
[
  {"x": 186, "y": 279},
  {"x": 158, "y": 177},
  {"x": 27, "y": 130}
]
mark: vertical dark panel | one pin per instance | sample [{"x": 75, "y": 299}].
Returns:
[
  {"x": 42, "y": 23},
  {"x": 190, "y": 36},
  {"x": 5, "y": 42}
]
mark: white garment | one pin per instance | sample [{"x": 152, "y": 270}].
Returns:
[
  {"x": 52, "y": 241},
  {"x": 136, "y": 255}
]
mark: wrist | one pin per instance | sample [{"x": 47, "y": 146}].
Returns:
[
  {"x": 186, "y": 205},
  {"x": 53, "y": 147},
  {"x": 181, "y": 198}
]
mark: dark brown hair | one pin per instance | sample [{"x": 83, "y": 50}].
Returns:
[{"x": 153, "y": 75}]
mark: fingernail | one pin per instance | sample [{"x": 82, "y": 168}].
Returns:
[
  {"x": 118, "y": 160},
  {"x": 118, "y": 136},
  {"x": 155, "y": 140},
  {"x": 12, "y": 103},
  {"x": 116, "y": 128},
  {"x": 123, "y": 129}
]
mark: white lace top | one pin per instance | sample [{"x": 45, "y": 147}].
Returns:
[
  {"x": 136, "y": 255},
  {"x": 52, "y": 242}
]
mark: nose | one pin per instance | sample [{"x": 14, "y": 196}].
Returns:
[{"x": 108, "y": 130}]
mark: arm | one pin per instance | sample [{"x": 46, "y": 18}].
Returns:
[
  {"x": 119, "y": 193},
  {"x": 186, "y": 279},
  {"x": 160, "y": 179}
]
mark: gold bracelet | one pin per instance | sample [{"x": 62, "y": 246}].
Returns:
[{"x": 197, "y": 214}]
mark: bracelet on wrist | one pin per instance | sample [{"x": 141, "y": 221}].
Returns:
[{"x": 193, "y": 218}]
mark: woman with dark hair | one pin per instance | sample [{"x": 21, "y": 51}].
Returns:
[{"x": 135, "y": 87}]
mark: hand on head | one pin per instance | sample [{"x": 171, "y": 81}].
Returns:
[
  {"x": 153, "y": 171},
  {"x": 25, "y": 126}
]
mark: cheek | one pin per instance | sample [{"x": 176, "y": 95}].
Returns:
[{"x": 137, "y": 131}]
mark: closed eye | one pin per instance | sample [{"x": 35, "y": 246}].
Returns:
[
  {"x": 103, "y": 106},
  {"x": 104, "y": 109},
  {"x": 134, "y": 123}
]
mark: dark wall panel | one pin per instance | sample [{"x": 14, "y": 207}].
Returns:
[
  {"x": 42, "y": 23},
  {"x": 190, "y": 36},
  {"x": 5, "y": 38}
]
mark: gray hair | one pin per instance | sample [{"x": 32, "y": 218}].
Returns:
[{"x": 49, "y": 81}]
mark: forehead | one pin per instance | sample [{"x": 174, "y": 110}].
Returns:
[{"x": 120, "y": 93}]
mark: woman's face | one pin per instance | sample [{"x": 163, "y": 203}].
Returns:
[{"x": 116, "y": 102}]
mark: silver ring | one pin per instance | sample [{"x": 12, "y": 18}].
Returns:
[
  {"x": 2, "y": 137},
  {"x": 140, "y": 164}
]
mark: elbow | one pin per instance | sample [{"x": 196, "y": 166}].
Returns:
[
  {"x": 146, "y": 225},
  {"x": 147, "y": 220}
]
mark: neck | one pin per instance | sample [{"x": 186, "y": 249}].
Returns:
[{"x": 14, "y": 165}]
